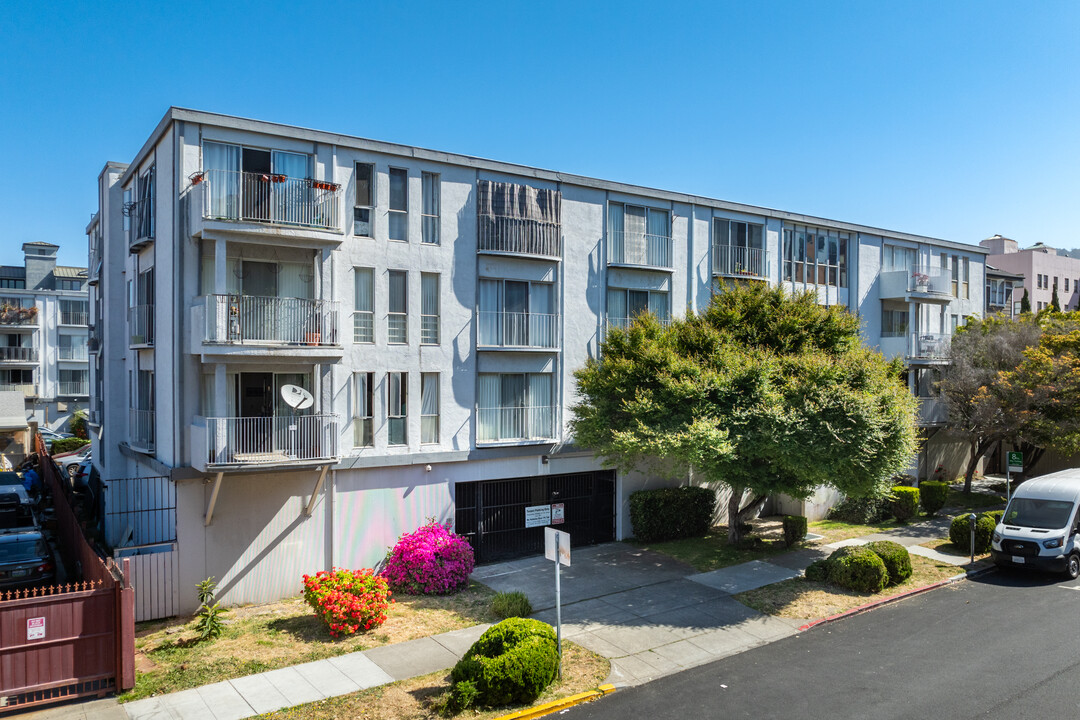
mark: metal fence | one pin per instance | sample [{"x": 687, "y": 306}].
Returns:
[
  {"x": 500, "y": 234},
  {"x": 271, "y": 198},
  {"x": 271, "y": 440},
  {"x": 270, "y": 320},
  {"x": 635, "y": 248}
]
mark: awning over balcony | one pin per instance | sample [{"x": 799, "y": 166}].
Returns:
[{"x": 12, "y": 411}]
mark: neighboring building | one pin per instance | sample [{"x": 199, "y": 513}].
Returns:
[
  {"x": 1042, "y": 268},
  {"x": 43, "y": 335},
  {"x": 1003, "y": 291},
  {"x": 321, "y": 341}
]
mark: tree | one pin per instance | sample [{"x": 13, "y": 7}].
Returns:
[
  {"x": 1025, "y": 302},
  {"x": 1055, "y": 304},
  {"x": 763, "y": 392}
]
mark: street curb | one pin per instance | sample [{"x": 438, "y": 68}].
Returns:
[
  {"x": 893, "y": 598},
  {"x": 557, "y": 705}
]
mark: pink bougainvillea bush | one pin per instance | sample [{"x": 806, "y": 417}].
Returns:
[
  {"x": 348, "y": 601},
  {"x": 430, "y": 561}
]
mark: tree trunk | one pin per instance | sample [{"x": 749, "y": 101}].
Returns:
[
  {"x": 977, "y": 451},
  {"x": 739, "y": 515}
]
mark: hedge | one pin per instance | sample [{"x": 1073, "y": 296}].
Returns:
[
  {"x": 670, "y": 513},
  {"x": 794, "y": 529},
  {"x": 933, "y": 495},
  {"x": 63, "y": 445},
  {"x": 896, "y": 558},
  {"x": 960, "y": 532},
  {"x": 858, "y": 568},
  {"x": 904, "y": 503},
  {"x": 860, "y": 511},
  {"x": 512, "y": 661}
]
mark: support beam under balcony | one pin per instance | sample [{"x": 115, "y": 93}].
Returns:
[
  {"x": 213, "y": 500},
  {"x": 315, "y": 492}
]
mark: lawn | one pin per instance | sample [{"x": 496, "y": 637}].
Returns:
[
  {"x": 712, "y": 551},
  {"x": 419, "y": 698},
  {"x": 973, "y": 501},
  {"x": 265, "y": 637}
]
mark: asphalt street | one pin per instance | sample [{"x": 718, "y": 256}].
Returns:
[{"x": 1005, "y": 645}]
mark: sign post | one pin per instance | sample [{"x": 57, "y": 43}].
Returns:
[
  {"x": 1015, "y": 464},
  {"x": 557, "y": 548}
]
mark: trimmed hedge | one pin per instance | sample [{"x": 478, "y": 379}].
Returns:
[
  {"x": 858, "y": 568},
  {"x": 860, "y": 511},
  {"x": 995, "y": 515},
  {"x": 896, "y": 558},
  {"x": 960, "y": 532},
  {"x": 904, "y": 502},
  {"x": 933, "y": 495},
  {"x": 818, "y": 571},
  {"x": 63, "y": 445},
  {"x": 670, "y": 513},
  {"x": 512, "y": 661},
  {"x": 794, "y": 529}
]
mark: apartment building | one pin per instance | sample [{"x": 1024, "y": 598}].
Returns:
[
  {"x": 321, "y": 340},
  {"x": 43, "y": 335},
  {"x": 1003, "y": 291},
  {"x": 1042, "y": 268}
]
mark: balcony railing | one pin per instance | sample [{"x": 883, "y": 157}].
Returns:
[
  {"x": 141, "y": 429},
  {"x": 397, "y": 327},
  {"x": 18, "y": 354},
  {"x": 624, "y": 322},
  {"x": 141, "y": 325},
  {"x": 928, "y": 279},
  {"x": 72, "y": 352},
  {"x": 928, "y": 346},
  {"x": 27, "y": 389},
  {"x": 630, "y": 248},
  {"x": 74, "y": 388},
  {"x": 250, "y": 319},
  {"x": 500, "y": 234},
  {"x": 517, "y": 330},
  {"x": 429, "y": 329},
  {"x": 18, "y": 315},
  {"x": 363, "y": 326},
  {"x": 516, "y": 423},
  {"x": 271, "y": 440},
  {"x": 270, "y": 198},
  {"x": 74, "y": 317},
  {"x": 737, "y": 261}
]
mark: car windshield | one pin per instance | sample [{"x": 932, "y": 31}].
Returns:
[
  {"x": 1037, "y": 513},
  {"x": 8, "y": 477},
  {"x": 22, "y": 550}
]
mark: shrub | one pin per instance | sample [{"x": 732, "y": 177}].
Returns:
[
  {"x": 933, "y": 495},
  {"x": 904, "y": 503},
  {"x": 63, "y": 445},
  {"x": 960, "y": 533},
  {"x": 348, "y": 600},
  {"x": 860, "y": 511},
  {"x": 995, "y": 515},
  {"x": 896, "y": 558},
  {"x": 858, "y": 568},
  {"x": 511, "y": 604},
  {"x": 670, "y": 513},
  {"x": 430, "y": 561},
  {"x": 78, "y": 424},
  {"x": 794, "y": 529},
  {"x": 818, "y": 571},
  {"x": 209, "y": 625},
  {"x": 512, "y": 661}
]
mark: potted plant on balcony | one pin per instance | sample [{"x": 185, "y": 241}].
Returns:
[
  {"x": 921, "y": 280},
  {"x": 313, "y": 336}
]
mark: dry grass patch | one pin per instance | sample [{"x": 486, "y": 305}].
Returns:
[
  {"x": 837, "y": 530},
  {"x": 800, "y": 598},
  {"x": 265, "y": 637},
  {"x": 419, "y": 698},
  {"x": 712, "y": 551},
  {"x": 945, "y": 547}
]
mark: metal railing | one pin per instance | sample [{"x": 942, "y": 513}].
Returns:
[
  {"x": 18, "y": 315},
  {"x": 363, "y": 326},
  {"x": 397, "y": 327},
  {"x": 27, "y": 389},
  {"x": 271, "y": 198},
  {"x": 429, "y": 329},
  {"x": 270, "y": 320},
  {"x": 929, "y": 346},
  {"x": 929, "y": 279},
  {"x": 430, "y": 226},
  {"x": 624, "y": 322},
  {"x": 18, "y": 354},
  {"x": 515, "y": 329},
  {"x": 141, "y": 325},
  {"x": 501, "y": 234},
  {"x": 516, "y": 423},
  {"x": 141, "y": 429},
  {"x": 72, "y": 352},
  {"x": 736, "y": 261},
  {"x": 74, "y": 317},
  {"x": 631, "y": 248},
  {"x": 74, "y": 387},
  {"x": 271, "y": 440}
]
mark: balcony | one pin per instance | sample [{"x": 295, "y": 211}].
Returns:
[
  {"x": 74, "y": 317},
  {"x": 301, "y": 209},
  {"x": 18, "y": 355},
  {"x": 739, "y": 262},
  {"x": 27, "y": 389},
  {"x": 264, "y": 441},
  {"x": 516, "y": 424},
  {"x": 18, "y": 316},
  {"x": 933, "y": 411},
  {"x": 267, "y": 326},
  {"x": 141, "y": 430},
  {"x": 75, "y": 388},
  {"x": 517, "y": 331},
  {"x": 918, "y": 283},
  {"x": 141, "y": 326},
  {"x": 501, "y": 235},
  {"x": 928, "y": 348},
  {"x": 77, "y": 353},
  {"x": 639, "y": 250},
  {"x": 623, "y": 323}
]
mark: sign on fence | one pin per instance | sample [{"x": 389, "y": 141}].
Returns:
[
  {"x": 537, "y": 516},
  {"x": 35, "y": 628}
]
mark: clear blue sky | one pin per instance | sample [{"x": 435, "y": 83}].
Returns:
[{"x": 952, "y": 119}]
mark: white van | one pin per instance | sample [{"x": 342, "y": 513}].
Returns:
[{"x": 1040, "y": 526}]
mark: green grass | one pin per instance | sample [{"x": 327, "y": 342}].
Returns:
[
  {"x": 712, "y": 551},
  {"x": 972, "y": 501}
]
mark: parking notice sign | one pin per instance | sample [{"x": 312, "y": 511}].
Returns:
[
  {"x": 1016, "y": 462},
  {"x": 35, "y": 628}
]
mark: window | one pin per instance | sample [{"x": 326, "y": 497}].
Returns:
[
  {"x": 397, "y": 319},
  {"x": 397, "y": 407},
  {"x": 955, "y": 268},
  {"x": 518, "y": 219},
  {"x": 364, "y": 309},
  {"x": 430, "y": 213},
  {"x": 894, "y": 257},
  {"x": 429, "y": 309},
  {"x": 954, "y": 321},
  {"x": 363, "y": 420},
  {"x": 144, "y": 206},
  {"x": 517, "y": 313},
  {"x": 13, "y": 283},
  {"x": 624, "y": 305},
  {"x": 815, "y": 256},
  {"x": 1066, "y": 284},
  {"x": 399, "y": 204},
  {"x": 639, "y": 236},
  {"x": 128, "y": 204},
  {"x": 74, "y": 312},
  {"x": 365, "y": 193},
  {"x": 429, "y": 408},
  {"x": 74, "y": 382},
  {"x": 72, "y": 347},
  {"x": 68, "y": 284},
  {"x": 737, "y": 248},
  {"x": 515, "y": 407},
  {"x": 965, "y": 278},
  {"x": 894, "y": 323}
]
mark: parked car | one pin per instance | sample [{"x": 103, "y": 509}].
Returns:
[
  {"x": 69, "y": 462},
  {"x": 1039, "y": 527},
  {"x": 80, "y": 480},
  {"x": 25, "y": 559}
]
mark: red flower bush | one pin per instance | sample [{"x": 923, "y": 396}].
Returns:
[
  {"x": 430, "y": 561},
  {"x": 348, "y": 601}
]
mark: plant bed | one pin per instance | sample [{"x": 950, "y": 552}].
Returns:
[
  {"x": 421, "y": 697},
  {"x": 712, "y": 551},
  {"x": 257, "y": 638}
]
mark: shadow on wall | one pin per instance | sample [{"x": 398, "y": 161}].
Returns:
[{"x": 463, "y": 282}]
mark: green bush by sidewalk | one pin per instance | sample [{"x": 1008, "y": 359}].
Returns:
[
  {"x": 858, "y": 568},
  {"x": 512, "y": 661},
  {"x": 904, "y": 503},
  {"x": 933, "y": 495},
  {"x": 794, "y": 529},
  {"x": 671, "y": 513},
  {"x": 896, "y": 558},
  {"x": 960, "y": 532}
]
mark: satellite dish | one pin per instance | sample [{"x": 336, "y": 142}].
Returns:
[{"x": 296, "y": 397}]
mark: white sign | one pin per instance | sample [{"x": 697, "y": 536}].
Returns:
[
  {"x": 553, "y": 536},
  {"x": 558, "y": 513},
  {"x": 35, "y": 628},
  {"x": 537, "y": 516}
]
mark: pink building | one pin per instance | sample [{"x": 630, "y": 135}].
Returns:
[{"x": 1043, "y": 270}]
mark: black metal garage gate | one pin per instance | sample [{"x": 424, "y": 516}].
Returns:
[{"x": 491, "y": 513}]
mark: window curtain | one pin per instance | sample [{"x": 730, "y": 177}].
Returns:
[
  {"x": 541, "y": 315},
  {"x": 398, "y": 292},
  {"x": 430, "y": 193},
  {"x": 488, "y": 400},
  {"x": 616, "y": 306},
  {"x": 429, "y": 294},
  {"x": 517, "y": 201},
  {"x": 656, "y": 244},
  {"x": 634, "y": 236},
  {"x": 364, "y": 292},
  {"x": 396, "y": 408},
  {"x": 429, "y": 408},
  {"x": 658, "y": 305},
  {"x": 513, "y": 410},
  {"x": 541, "y": 413},
  {"x": 615, "y": 230},
  {"x": 222, "y": 165},
  {"x": 489, "y": 313}
]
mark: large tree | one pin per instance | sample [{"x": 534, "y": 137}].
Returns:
[{"x": 763, "y": 392}]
